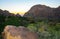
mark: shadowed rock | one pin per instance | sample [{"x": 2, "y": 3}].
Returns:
[{"x": 13, "y": 32}]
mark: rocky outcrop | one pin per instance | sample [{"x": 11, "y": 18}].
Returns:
[
  {"x": 13, "y": 32},
  {"x": 43, "y": 12}
]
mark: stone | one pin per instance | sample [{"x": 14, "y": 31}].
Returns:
[{"x": 13, "y": 32}]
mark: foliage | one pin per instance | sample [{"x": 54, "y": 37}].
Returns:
[{"x": 46, "y": 29}]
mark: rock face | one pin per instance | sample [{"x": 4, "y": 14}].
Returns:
[
  {"x": 43, "y": 12},
  {"x": 12, "y": 32}
]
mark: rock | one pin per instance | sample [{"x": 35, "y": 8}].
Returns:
[
  {"x": 13, "y": 32},
  {"x": 42, "y": 12}
]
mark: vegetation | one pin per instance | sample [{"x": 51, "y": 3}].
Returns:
[{"x": 46, "y": 29}]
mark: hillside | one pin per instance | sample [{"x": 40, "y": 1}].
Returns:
[{"x": 41, "y": 12}]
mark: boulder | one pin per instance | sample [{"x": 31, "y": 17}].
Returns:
[{"x": 13, "y": 32}]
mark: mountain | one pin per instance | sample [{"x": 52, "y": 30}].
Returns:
[
  {"x": 7, "y": 13},
  {"x": 41, "y": 12}
]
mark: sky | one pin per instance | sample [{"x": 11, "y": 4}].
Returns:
[{"x": 22, "y": 6}]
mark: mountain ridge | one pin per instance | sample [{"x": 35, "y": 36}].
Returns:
[{"x": 43, "y": 12}]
